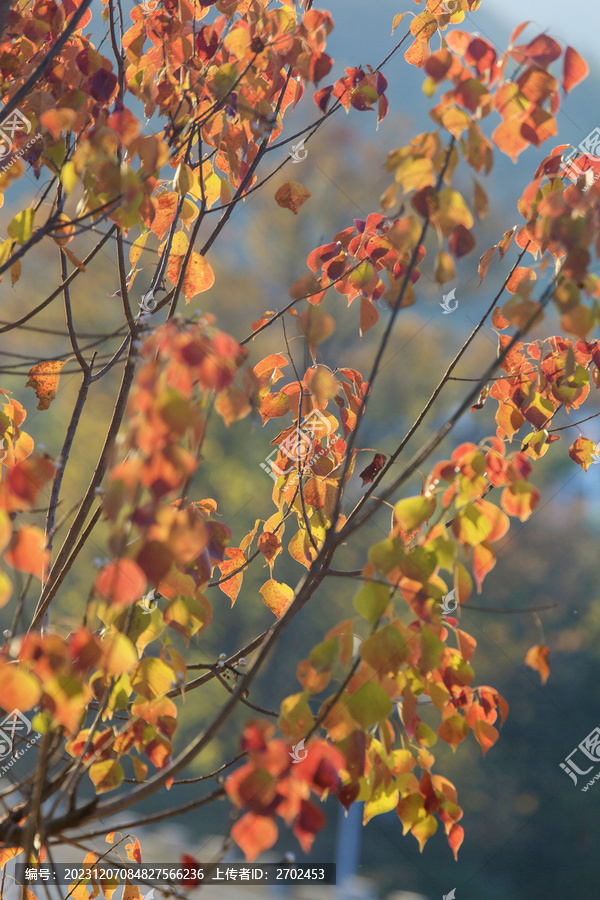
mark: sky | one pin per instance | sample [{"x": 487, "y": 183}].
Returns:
[{"x": 576, "y": 23}]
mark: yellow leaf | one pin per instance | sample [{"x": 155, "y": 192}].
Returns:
[
  {"x": 199, "y": 276},
  {"x": 137, "y": 249},
  {"x": 277, "y": 596},
  {"x": 43, "y": 378},
  {"x": 106, "y": 775}
]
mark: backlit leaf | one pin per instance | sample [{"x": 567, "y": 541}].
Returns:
[
  {"x": 370, "y": 704},
  {"x": 18, "y": 689},
  {"x": 106, "y": 775},
  {"x": 537, "y": 659},
  {"x": 199, "y": 276},
  {"x": 291, "y": 195},
  {"x": 276, "y": 596},
  {"x": 43, "y": 378},
  {"x": 575, "y": 69}
]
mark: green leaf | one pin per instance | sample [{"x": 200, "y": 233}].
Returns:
[
  {"x": 425, "y": 735},
  {"x": 432, "y": 649},
  {"x": 413, "y": 511},
  {"x": 370, "y": 704},
  {"x": 385, "y": 651},
  {"x": 21, "y": 227},
  {"x": 371, "y": 601},
  {"x": 470, "y": 526},
  {"x": 386, "y": 555},
  {"x": 324, "y": 655},
  {"x": 296, "y": 716}
]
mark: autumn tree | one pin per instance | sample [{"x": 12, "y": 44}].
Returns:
[{"x": 142, "y": 144}]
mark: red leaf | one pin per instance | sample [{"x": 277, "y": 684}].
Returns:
[
  {"x": 188, "y": 862},
  {"x": 372, "y": 469},
  {"x": 543, "y": 50},
  {"x": 323, "y": 97},
  {"x": 309, "y": 822}
]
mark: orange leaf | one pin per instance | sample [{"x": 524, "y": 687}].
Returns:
[
  {"x": 484, "y": 560},
  {"x": 134, "y": 850},
  {"x": 368, "y": 315},
  {"x": 583, "y": 451},
  {"x": 254, "y": 834},
  {"x": 507, "y": 136},
  {"x": 43, "y": 378},
  {"x": 8, "y": 853},
  {"x": 453, "y": 730},
  {"x": 235, "y": 559},
  {"x": 455, "y": 839},
  {"x": 18, "y": 689},
  {"x": 291, "y": 195},
  {"x": 269, "y": 545},
  {"x": 575, "y": 69},
  {"x": 27, "y": 551},
  {"x": 519, "y": 499},
  {"x": 485, "y": 734},
  {"x": 316, "y": 325},
  {"x": 164, "y": 215},
  {"x": 58, "y": 120},
  {"x": 199, "y": 276},
  {"x": 484, "y": 263},
  {"x": 121, "y": 582},
  {"x": 498, "y": 320},
  {"x": 537, "y": 658}
]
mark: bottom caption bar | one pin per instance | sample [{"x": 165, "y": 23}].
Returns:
[{"x": 167, "y": 873}]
